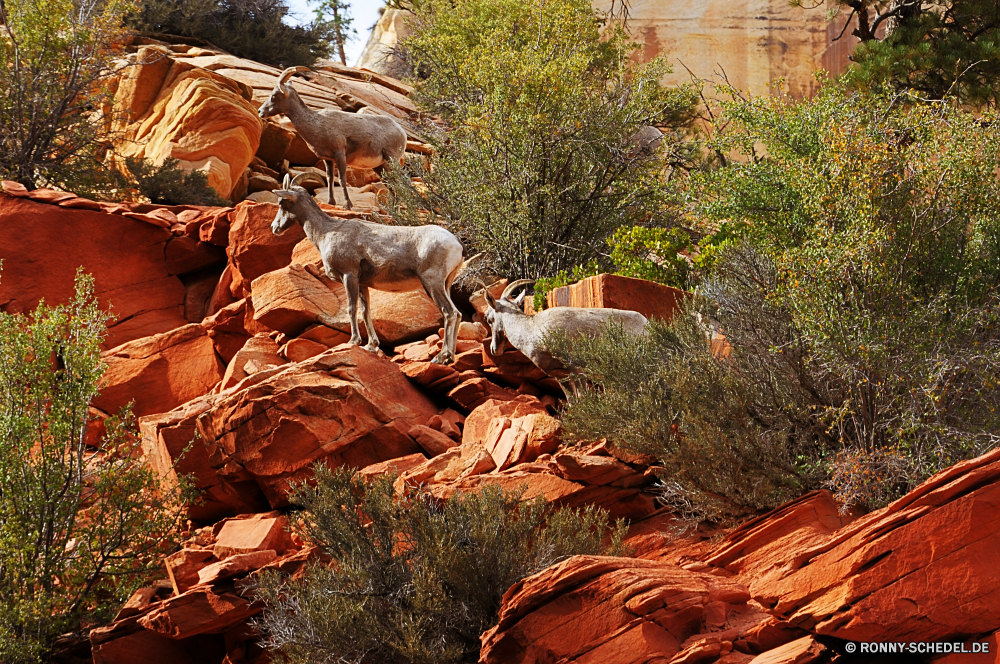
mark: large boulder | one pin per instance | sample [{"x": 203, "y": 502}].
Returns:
[
  {"x": 921, "y": 569},
  {"x": 160, "y": 372},
  {"x": 170, "y": 108},
  {"x": 127, "y": 258},
  {"x": 253, "y": 249},
  {"x": 343, "y": 407},
  {"x": 616, "y": 611}
]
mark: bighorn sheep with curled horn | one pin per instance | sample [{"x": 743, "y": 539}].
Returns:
[
  {"x": 363, "y": 255},
  {"x": 349, "y": 139},
  {"x": 527, "y": 333}
]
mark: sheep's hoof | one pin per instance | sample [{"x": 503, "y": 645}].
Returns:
[
  {"x": 371, "y": 348},
  {"x": 444, "y": 357},
  {"x": 354, "y": 341}
]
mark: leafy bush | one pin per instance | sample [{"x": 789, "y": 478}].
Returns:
[
  {"x": 539, "y": 166},
  {"x": 55, "y": 61},
  {"x": 79, "y": 527},
  {"x": 413, "y": 579},
  {"x": 252, "y": 29},
  {"x": 861, "y": 306},
  {"x": 167, "y": 184}
]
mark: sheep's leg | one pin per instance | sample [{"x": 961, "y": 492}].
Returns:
[
  {"x": 449, "y": 312},
  {"x": 342, "y": 167},
  {"x": 329, "y": 180},
  {"x": 366, "y": 313},
  {"x": 351, "y": 286}
]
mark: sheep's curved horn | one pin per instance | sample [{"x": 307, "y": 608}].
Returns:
[
  {"x": 296, "y": 179},
  {"x": 511, "y": 286},
  {"x": 285, "y": 75}
]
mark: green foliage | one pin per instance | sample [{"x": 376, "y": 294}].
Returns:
[
  {"x": 79, "y": 527},
  {"x": 861, "y": 305},
  {"x": 937, "y": 47},
  {"x": 167, "y": 184},
  {"x": 55, "y": 59},
  {"x": 413, "y": 579},
  {"x": 333, "y": 18},
  {"x": 562, "y": 278},
  {"x": 539, "y": 166},
  {"x": 252, "y": 29},
  {"x": 653, "y": 254}
]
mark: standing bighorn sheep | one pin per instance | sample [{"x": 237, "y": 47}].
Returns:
[
  {"x": 363, "y": 254},
  {"x": 527, "y": 333},
  {"x": 362, "y": 141}
]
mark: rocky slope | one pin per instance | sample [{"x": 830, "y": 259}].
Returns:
[{"x": 247, "y": 368}]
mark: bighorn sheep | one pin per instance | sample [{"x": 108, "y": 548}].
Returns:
[
  {"x": 364, "y": 255},
  {"x": 527, "y": 333},
  {"x": 363, "y": 141}
]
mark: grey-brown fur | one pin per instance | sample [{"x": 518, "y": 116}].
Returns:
[
  {"x": 363, "y": 255},
  {"x": 347, "y": 139},
  {"x": 527, "y": 333}
]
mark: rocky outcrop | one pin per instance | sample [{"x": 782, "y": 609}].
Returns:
[
  {"x": 343, "y": 407},
  {"x": 619, "y": 611},
  {"x": 921, "y": 569},
  {"x": 171, "y": 108},
  {"x": 610, "y": 291}
]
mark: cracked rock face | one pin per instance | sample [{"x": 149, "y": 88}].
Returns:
[
  {"x": 924, "y": 568},
  {"x": 345, "y": 407}
]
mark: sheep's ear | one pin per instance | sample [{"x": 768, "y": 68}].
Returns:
[
  {"x": 519, "y": 300},
  {"x": 286, "y": 183},
  {"x": 490, "y": 300}
]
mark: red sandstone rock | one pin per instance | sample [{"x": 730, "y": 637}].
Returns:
[
  {"x": 609, "y": 610},
  {"x": 184, "y": 565},
  {"x": 609, "y": 291},
  {"x": 239, "y": 536},
  {"x": 524, "y": 439},
  {"x": 145, "y": 647},
  {"x": 253, "y": 249},
  {"x": 395, "y": 466},
  {"x": 236, "y": 565},
  {"x": 800, "y": 651},
  {"x": 258, "y": 354},
  {"x": 923, "y": 568},
  {"x": 291, "y": 298},
  {"x": 344, "y": 407},
  {"x": 297, "y": 350},
  {"x": 479, "y": 421},
  {"x": 198, "y": 611},
  {"x": 454, "y": 464},
  {"x": 431, "y": 440},
  {"x": 160, "y": 372},
  {"x": 125, "y": 256},
  {"x": 228, "y": 330}
]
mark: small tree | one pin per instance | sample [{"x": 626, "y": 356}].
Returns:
[
  {"x": 859, "y": 303},
  {"x": 413, "y": 579},
  {"x": 539, "y": 165},
  {"x": 55, "y": 59},
  {"x": 938, "y": 47},
  {"x": 335, "y": 19},
  {"x": 79, "y": 526}
]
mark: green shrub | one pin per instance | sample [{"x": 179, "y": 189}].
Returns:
[
  {"x": 167, "y": 184},
  {"x": 80, "y": 528},
  {"x": 252, "y": 29},
  {"x": 538, "y": 167},
  {"x": 861, "y": 307},
  {"x": 413, "y": 579}
]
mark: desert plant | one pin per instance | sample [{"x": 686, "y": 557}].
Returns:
[
  {"x": 80, "y": 527},
  {"x": 55, "y": 62},
  {"x": 167, "y": 184},
  {"x": 413, "y": 579},
  {"x": 538, "y": 166},
  {"x": 859, "y": 307}
]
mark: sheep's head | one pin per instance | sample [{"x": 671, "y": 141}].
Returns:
[
  {"x": 291, "y": 201},
  {"x": 499, "y": 308},
  {"x": 275, "y": 103}
]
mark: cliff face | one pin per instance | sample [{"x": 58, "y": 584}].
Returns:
[{"x": 751, "y": 42}]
